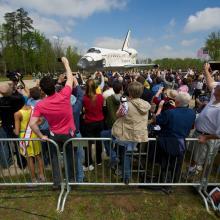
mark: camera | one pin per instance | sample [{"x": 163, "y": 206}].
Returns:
[
  {"x": 59, "y": 60},
  {"x": 215, "y": 65},
  {"x": 14, "y": 76},
  {"x": 75, "y": 74},
  {"x": 20, "y": 86},
  {"x": 204, "y": 96},
  {"x": 169, "y": 103}
]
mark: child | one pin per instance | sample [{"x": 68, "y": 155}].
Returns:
[{"x": 30, "y": 149}]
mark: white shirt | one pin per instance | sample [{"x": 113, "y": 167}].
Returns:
[{"x": 208, "y": 120}]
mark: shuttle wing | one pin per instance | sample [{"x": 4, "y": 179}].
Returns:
[{"x": 141, "y": 65}]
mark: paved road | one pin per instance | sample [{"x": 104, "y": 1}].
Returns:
[{"x": 29, "y": 83}]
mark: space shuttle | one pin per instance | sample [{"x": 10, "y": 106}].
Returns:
[{"x": 103, "y": 58}]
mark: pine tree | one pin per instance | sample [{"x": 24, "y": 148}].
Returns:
[
  {"x": 24, "y": 23},
  {"x": 11, "y": 28}
]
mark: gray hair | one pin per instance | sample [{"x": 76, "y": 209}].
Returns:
[{"x": 183, "y": 98}]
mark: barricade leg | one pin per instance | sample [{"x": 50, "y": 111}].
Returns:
[
  {"x": 213, "y": 150},
  {"x": 64, "y": 198},
  {"x": 204, "y": 200},
  {"x": 60, "y": 197},
  {"x": 68, "y": 157},
  {"x": 204, "y": 178}
]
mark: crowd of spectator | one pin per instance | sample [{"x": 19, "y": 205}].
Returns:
[{"x": 125, "y": 106}]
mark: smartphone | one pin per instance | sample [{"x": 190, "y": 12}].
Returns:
[
  {"x": 215, "y": 65},
  {"x": 20, "y": 87},
  {"x": 59, "y": 60}
]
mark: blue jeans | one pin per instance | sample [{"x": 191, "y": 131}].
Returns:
[
  {"x": 45, "y": 150},
  {"x": 5, "y": 154},
  {"x": 108, "y": 147},
  {"x": 125, "y": 147},
  {"x": 79, "y": 158},
  {"x": 125, "y": 162}
]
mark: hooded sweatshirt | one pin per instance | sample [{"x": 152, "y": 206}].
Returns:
[
  {"x": 133, "y": 126},
  {"x": 112, "y": 105}
]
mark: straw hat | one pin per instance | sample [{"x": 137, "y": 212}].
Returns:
[
  {"x": 200, "y": 77},
  {"x": 171, "y": 93}
]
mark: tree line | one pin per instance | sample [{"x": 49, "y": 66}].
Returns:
[
  {"x": 212, "y": 47},
  {"x": 26, "y": 49},
  {"x": 183, "y": 64}
]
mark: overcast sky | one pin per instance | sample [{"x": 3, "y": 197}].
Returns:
[{"x": 168, "y": 28}]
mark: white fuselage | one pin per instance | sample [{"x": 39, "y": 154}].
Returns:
[{"x": 103, "y": 58}]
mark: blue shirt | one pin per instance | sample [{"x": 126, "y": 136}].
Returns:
[
  {"x": 44, "y": 125},
  {"x": 77, "y": 106},
  {"x": 32, "y": 102},
  {"x": 156, "y": 87},
  {"x": 176, "y": 122}
]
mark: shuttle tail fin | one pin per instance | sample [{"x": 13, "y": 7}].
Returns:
[{"x": 126, "y": 41}]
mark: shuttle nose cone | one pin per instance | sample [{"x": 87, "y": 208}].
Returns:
[{"x": 85, "y": 62}]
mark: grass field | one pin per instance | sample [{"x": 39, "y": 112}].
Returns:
[{"x": 124, "y": 203}]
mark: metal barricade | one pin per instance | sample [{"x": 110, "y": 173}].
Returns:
[
  {"x": 29, "y": 162},
  {"x": 212, "y": 172},
  {"x": 105, "y": 164},
  {"x": 143, "y": 165}
]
